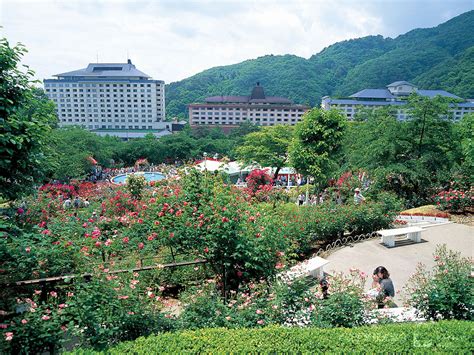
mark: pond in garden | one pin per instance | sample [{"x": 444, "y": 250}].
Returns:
[{"x": 151, "y": 176}]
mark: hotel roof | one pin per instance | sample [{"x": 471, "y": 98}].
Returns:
[
  {"x": 95, "y": 70},
  {"x": 256, "y": 97}
]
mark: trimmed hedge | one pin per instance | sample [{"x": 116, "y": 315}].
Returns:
[{"x": 444, "y": 336}]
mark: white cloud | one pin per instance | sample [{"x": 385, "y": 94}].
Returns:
[{"x": 171, "y": 40}]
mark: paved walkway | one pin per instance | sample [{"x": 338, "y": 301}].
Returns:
[{"x": 401, "y": 261}]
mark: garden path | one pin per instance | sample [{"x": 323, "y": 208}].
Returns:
[{"x": 401, "y": 261}]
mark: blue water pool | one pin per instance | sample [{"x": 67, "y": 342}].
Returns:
[{"x": 120, "y": 179}]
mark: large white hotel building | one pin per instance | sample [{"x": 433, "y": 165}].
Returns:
[
  {"x": 394, "y": 95},
  {"x": 110, "y": 98},
  {"x": 257, "y": 108}
]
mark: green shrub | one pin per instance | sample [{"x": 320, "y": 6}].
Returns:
[
  {"x": 345, "y": 306},
  {"x": 446, "y": 292},
  {"x": 446, "y": 336},
  {"x": 135, "y": 183}
]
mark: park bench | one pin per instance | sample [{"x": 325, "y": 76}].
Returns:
[
  {"x": 312, "y": 267},
  {"x": 388, "y": 235}
]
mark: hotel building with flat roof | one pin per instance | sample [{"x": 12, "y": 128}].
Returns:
[
  {"x": 394, "y": 95},
  {"x": 257, "y": 108},
  {"x": 110, "y": 98}
]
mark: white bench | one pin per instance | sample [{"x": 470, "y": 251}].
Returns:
[
  {"x": 312, "y": 267},
  {"x": 388, "y": 235}
]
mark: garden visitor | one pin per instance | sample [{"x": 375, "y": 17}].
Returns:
[
  {"x": 86, "y": 203},
  {"x": 358, "y": 198},
  {"x": 77, "y": 202},
  {"x": 383, "y": 283},
  {"x": 67, "y": 203},
  {"x": 301, "y": 199},
  {"x": 324, "y": 288}
]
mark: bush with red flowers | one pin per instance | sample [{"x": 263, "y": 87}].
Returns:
[
  {"x": 257, "y": 181},
  {"x": 454, "y": 200}
]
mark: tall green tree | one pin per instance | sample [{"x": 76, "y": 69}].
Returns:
[
  {"x": 267, "y": 147},
  {"x": 466, "y": 134},
  {"x": 317, "y": 143},
  {"x": 412, "y": 158},
  {"x": 26, "y": 120}
]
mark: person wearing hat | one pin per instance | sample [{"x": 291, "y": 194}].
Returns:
[{"x": 358, "y": 198}]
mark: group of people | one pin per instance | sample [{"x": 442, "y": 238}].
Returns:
[
  {"x": 75, "y": 203},
  {"x": 315, "y": 199}
]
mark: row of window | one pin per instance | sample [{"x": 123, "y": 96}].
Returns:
[
  {"x": 101, "y": 100},
  {"x": 62, "y": 116},
  {"x": 53, "y": 96},
  {"x": 102, "y": 106},
  {"x": 223, "y": 115},
  {"x": 87, "y": 85},
  {"x": 97, "y": 90},
  {"x": 77, "y": 120},
  {"x": 245, "y": 109},
  {"x": 237, "y": 120}
]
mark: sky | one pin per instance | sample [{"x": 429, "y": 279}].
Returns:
[{"x": 171, "y": 40}]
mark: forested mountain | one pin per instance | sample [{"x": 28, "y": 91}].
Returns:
[{"x": 433, "y": 58}]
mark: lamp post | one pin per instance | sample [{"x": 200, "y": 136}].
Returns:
[{"x": 205, "y": 159}]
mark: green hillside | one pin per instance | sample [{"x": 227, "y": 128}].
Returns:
[{"x": 433, "y": 58}]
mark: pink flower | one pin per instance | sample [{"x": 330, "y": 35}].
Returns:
[
  {"x": 8, "y": 336},
  {"x": 225, "y": 219},
  {"x": 98, "y": 244},
  {"x": 37, "y": 292},
  {"x": 24, "y": 321},
  {"x": 261, "y": 322},
  {"x": 125, "y": 240},
  {"x": 45, "y": 317},
  {"x": 228, "y": 318},
  {"x": 62, "y": 305},
  {"x": 27, "y": 249},
  {"x": 258, "y": 311},
  {"x": 122, "y": 297},
  {"x": 70, "y": 294},
  {"x": 206, "y": 250},
  {"x": 108, "y": 242},
  {"x": 279, "y": 266},
  {"x": 141, "y": 246},
  {"x": 53, "y": 294}
]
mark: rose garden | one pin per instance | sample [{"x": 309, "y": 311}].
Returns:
[{"x": 197, "y": 263}]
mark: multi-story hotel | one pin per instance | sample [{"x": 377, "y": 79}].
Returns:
[
  {"x": 257, "y": 108},
  {"x": 395, "y": 95},
  {"x": 116, "y": 99}
]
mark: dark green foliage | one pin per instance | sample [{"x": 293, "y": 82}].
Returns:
[
  {"x": 26, "y": 118},
  {"x": 433, "y": 58},
  {"x": 412, "y": 158},
  {"x": 447, "y": 336},
  {"x": 317, "y": 143}
]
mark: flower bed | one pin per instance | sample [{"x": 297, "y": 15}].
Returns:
[{"x": 245, "y": 241}]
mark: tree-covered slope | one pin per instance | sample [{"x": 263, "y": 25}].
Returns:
[
  {"x": 454, "y": 75},
  {"x": 439, "y": 57}
]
